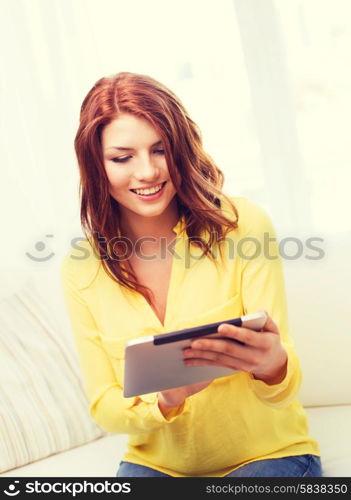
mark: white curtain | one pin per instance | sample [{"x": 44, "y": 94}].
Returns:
[{"x": 267, "y": 81}]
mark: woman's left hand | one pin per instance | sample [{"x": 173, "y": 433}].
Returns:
[{"x": 262, "y": 353}]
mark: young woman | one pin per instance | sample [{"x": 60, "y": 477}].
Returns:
[{"x": 166, "y": 249}]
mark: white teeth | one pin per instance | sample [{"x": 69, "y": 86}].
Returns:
[{"x": 148, "y": 191}]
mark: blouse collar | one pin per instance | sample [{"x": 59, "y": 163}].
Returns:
[{"x": 180, "y": 225}]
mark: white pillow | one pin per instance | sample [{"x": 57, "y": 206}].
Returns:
[{"x": 44, "y": 409}]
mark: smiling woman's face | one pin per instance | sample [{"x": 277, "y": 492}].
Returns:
[{"x": 134, "y": 158}]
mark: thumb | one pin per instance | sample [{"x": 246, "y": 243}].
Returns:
[{"x": 270, "y": 325}]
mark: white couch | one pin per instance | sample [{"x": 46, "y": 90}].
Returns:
[{"x": 319, "y": 299}]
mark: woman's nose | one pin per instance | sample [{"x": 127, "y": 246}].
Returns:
[{"x": 146, "y": 168}]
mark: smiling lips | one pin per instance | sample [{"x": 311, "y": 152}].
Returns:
[{"x": 149, "y": 191}]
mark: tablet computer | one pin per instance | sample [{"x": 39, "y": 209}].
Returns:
[{"x": 155, "y": 363}]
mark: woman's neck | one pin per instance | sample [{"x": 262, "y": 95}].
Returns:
[{"x": 150, "y": 231}]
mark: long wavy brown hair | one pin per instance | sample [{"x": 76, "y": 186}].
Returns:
[{"x": 197, "y": 179}]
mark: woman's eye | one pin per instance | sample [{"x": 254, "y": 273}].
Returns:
[
  {"x": 126, "y": 158},
  {"x": 120, "y": 160}
]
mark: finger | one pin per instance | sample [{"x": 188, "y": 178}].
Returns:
[
  {"x": 270, "y": 325},
  {"x": 222, "y": 359},
  {"x": 227, "y": 357},
  {"x": 244, "y": 335},
  {"x": 227, "y": 346},
  {"x": 234, "y": 364}
]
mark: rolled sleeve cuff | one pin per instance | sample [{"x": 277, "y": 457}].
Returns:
[
  {"x": 282, "y": 393},
  {"x": 152, "y": 398}
]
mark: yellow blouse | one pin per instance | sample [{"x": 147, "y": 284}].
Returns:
[{"x": 236, "y": 419}]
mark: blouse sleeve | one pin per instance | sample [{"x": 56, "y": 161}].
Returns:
[
  {"x": 263, "y": 287},
  {"x": 107, "y": 406}
]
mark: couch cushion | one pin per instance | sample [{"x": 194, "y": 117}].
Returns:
[
  {"x": 330, "y": 426},
  {"x": 43, "y": 406},
  {"x": 99, "y": 458}
]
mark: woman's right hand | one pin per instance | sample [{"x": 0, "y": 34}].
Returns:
[{"x": 172, "y": 398}]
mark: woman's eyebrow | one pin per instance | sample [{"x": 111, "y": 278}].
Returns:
[{"x": 121, "y": 148}]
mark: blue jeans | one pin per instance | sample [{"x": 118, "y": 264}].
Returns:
[{"x": 297, "y": 466}]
